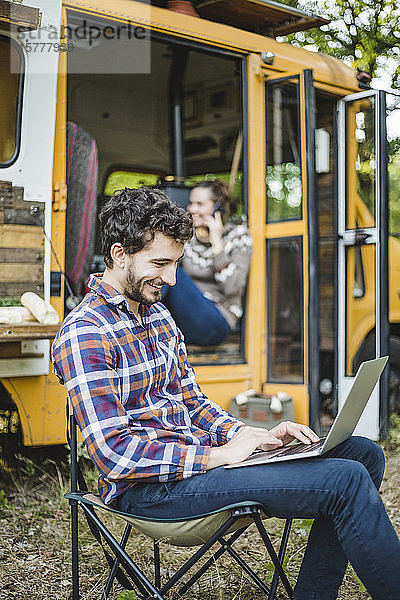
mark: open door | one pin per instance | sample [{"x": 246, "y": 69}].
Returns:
[
  {"x": 29, "y": 55},
  {"x": 292, "y": 243},
  {"x": 363, "y": 249}
]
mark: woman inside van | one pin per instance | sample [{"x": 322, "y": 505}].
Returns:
[{"x": 207, "y": 300}]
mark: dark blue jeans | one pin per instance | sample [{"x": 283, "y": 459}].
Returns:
[
  {"x": 197, "y": 317},
  {"x": 338, "y": 491}
]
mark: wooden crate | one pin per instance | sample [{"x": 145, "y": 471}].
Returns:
[{"x": 21, "y": 243}]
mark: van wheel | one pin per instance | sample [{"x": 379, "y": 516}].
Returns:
[
  {"x": 10, "y": 424},
  {"x": 10, "y": 431}
]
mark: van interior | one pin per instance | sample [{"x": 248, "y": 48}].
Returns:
[{"x": 176, "y": 124}]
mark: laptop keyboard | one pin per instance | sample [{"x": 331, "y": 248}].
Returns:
[{"x": 300, "y": 448}]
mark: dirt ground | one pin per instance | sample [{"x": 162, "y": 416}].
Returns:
[{"x": 35, "y": 557}]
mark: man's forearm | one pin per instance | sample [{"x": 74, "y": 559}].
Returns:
[{"x": 217, "y": 457}]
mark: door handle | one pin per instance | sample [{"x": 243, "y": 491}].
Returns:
[
  {"x": 361, "y": 237},
  {"x": 357, "y": 237}
]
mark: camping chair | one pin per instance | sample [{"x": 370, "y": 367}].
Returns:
[{"x": 203, "y": 530}]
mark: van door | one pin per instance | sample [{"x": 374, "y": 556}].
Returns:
[
  {"x": 363, "y": 330},
  {"x": 29, "y": 55},
  {"x": 292, "y": 243}
]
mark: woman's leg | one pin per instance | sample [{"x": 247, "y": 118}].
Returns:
[
  {"x": 197, "y": 317},
  {"x": 338, "y": 492}
]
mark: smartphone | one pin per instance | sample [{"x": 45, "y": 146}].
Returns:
[{"x": 218, "y": 208}]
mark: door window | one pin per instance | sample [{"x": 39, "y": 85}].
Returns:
[
  {"x": 361, "y": 162},
  {"x": 393, "y": 128},
  {"x": 360, "y": 306},
  {"x": 283, "y": 182},
  {"x": 11, "y": 63},
  {"x": 285, "y": 309}
]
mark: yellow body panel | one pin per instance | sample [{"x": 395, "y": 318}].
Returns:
[
  {"x": 222, "y": 383},
  {"x": 327, "y": 70},
  {"x": 59, "y": 175},
  {"x": 255, "y": 316},
  {"x": 394, "y": 280},
  {"x": 41, "y": 407},
  {"x": 299, "y": 395}
]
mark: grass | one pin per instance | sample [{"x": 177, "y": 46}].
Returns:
[
  {"x": 35, "y": 553},
  {"x": 393, "y": 443},
  {"x": 10, "y": 301}
]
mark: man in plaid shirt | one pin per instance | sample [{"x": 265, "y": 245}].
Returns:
[{"x": 160, "y": 444}]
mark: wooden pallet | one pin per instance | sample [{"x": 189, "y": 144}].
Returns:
[
  {"x": 21, "y": 243},
  {"x": 28, "y": 331}
]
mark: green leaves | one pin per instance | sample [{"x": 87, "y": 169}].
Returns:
[
  {"x": 363, "y": 33},
  {"x": 127, "y": 595}
]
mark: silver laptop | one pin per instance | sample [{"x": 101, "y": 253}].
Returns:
[{"x": 343, "y": 426}]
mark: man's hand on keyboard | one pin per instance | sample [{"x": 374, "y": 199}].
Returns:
[
  {"x": 243, "y": 443},
  {"x": 249, "y": 439},
  {"x": 288, "y": 431}
]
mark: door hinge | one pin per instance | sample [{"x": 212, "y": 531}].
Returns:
[
  {"x": 255, "y": 65},
  {"x": 60, "y": 198}
]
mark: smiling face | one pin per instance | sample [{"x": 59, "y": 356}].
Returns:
[
  {"x": 200, "y": 205},
  {"x": 147, "y": 271}
]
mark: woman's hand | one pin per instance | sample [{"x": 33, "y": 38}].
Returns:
[{"x": 215, "y": 228}]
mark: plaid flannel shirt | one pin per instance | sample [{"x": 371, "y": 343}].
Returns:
[{"x": 135, "y": 397}]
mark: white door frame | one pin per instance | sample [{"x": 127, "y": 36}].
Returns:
[
  {"x": 33, "y": 168},
  {"x": 369, "y": 422}
]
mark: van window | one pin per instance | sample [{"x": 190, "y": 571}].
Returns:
[
  {"x": 283, "y": 182},
  {"x": 118, "y": 180},
  {"x": 285, "y": 309},
  {"x": 237, "y": 208},
  {"x": 11, "y": 62}
]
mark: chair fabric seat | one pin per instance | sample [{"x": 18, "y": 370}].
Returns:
[{"x": 190, "y": 532}]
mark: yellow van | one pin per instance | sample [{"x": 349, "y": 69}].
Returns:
[{"x": 100, "y": 95}]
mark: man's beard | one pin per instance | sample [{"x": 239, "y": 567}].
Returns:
[{"x": 133, "y": 289}]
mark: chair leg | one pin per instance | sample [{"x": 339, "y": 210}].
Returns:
[
  {"x": 113, "y": 572},
  {"x": 212, "y": 560},
  {"x": 274, "y": 557},
  {"x": 195, "y": 557},
  {"x": 145, "y": 586},
  {"x": 226, "y": 546},
  {"x": 157, "y": 570},
  {"x": 281, "y": 556},
  {"x": 246, "y": 568},
  {"x": 75, "y": 549}
]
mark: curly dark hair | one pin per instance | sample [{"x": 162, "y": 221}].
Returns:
[{"x": 133, "y": 216}]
